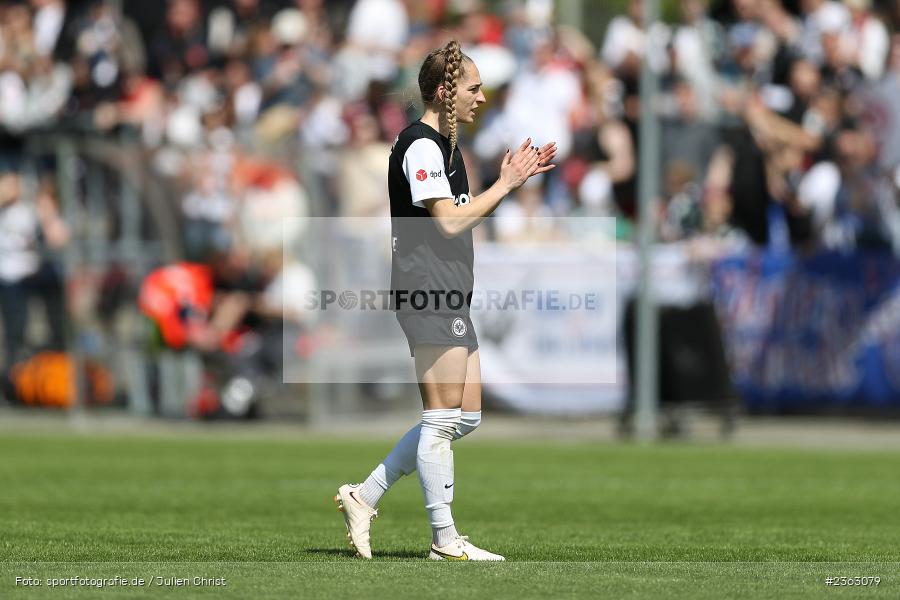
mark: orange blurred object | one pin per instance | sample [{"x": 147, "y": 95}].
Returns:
[{"x": 48, "y": 379}]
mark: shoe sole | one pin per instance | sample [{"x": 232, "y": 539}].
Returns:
[{"x": 432, "y": 555}]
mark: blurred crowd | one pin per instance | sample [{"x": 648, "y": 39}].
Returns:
[{"x": 779, "y": 119}]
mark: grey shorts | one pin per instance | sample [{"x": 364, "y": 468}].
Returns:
[{"x": 437, "y": 329}]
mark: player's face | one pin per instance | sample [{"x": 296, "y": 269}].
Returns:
[{"x": 468, "y": 94}]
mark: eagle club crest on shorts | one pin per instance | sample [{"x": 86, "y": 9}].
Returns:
[{"x": 458, "y": 327}]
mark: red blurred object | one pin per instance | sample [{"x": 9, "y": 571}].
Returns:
[
  {"x": 177, "y": 298},
  {"x": 258, "y": 173},
  {"x": 491, "y": 30},
  {"x": 206, "y": 402},
  {"x": 235, "y": 340},
  {"x": 574, "y": 170}
]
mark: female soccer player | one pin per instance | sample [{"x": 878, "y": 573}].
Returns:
[{"x": 431, "y": 283}]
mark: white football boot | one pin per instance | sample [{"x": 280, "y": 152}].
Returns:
[
  {"x": 358, "y": 517},
  {"x": 461, "y": 549}
]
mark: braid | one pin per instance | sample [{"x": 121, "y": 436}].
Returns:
[
  {"x": 453, "y": 58},
  {"x": 444, "y": 66}
]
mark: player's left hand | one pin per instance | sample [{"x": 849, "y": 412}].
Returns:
[{"x": 546, "y": 153}]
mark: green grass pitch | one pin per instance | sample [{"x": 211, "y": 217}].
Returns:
[{"x": 574, "y": 519}]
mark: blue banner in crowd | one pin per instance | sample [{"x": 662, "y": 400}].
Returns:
[{"x": 809, "y": 332}]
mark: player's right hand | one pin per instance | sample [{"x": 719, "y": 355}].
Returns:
[{"x": 528, "y": 160}]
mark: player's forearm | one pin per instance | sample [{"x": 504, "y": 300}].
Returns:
[{"x": 453, "y": 220}]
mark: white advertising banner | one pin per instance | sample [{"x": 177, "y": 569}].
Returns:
[{"x": 571, "y": 362}]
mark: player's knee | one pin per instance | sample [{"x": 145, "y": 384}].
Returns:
[
  {"x": 469, "y": 422},
  {"x": 441, "y": 423}
]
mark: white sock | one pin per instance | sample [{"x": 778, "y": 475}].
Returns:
[
  {"x": 434, "y": 462},
  {"x": 401, "y": 461},
  {"x": 444, "y": 536},
  {"x": 468, "y": 422}
]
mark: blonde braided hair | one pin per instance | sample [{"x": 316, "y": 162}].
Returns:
[
  {"x": 443, "y": 66},
  {"x": 452, "y": 62}
]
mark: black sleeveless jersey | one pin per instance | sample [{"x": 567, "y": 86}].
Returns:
[{"x": 425, "y": 264}]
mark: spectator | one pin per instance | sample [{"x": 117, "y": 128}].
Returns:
[
  {"x": 24, "y": 273},
  {"x": 625, "y": 43},
  {"x": 821, "y": 16},
  {"x": 232, "y": 26},
  {"x": 603, "y": 170},
  {"x": 49, "y": 18},
  {"x": 542, "y": 99},
  {"x": 37, "y": 99},
  {"x": 180, "y": 47},
  {"x": 273, "y": 208},
  {"x": 376, "y": 33},
  {"x": 697, "y": 46},
  {"x": 362, "y": 167},
  {"x": 210, "y": 205},
  {"x": 244, "y": 98},
  {"x": 838, "y": 71},
  {"x": 323, "y": 133},
  {"x": 688, "y": 138},
  {"x": 867, "y": 41},
  {"x": 852, "y": 204}
]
